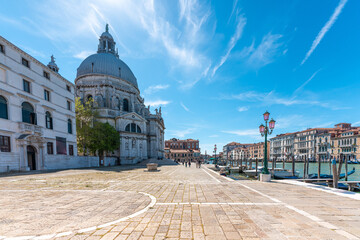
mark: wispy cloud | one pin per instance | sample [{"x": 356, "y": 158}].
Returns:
[
  {"x": 156, "y": 88},
  {"x": 83, "y": 54},
  {"x": 157, "y": 103},
  {"x": 214, "y": 136},
  {"x": 245, "y": 132},
  {"x": 272, "y": 98},
  {"x": 241, "y": 22},
  {"x": 185, "y": 108},
  {"x": 265, "y": 53},
  {"x": 356, "y": 123},
  {"x": 182, "y": 133},
  {"x": 325, "y": 29},
  {"x": 243, "y": 109},
  {"x": 306, "y": 82}
]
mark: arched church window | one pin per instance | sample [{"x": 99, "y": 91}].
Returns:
[
  {"x": 126, "y": 105},
  {"x": 133, "y": 127},
  {"x": 28, "y": 114},
  {"x": 3, "y": 108},
  {"x": 92, "y": 67},
  {"x": 48, "y": 120}
]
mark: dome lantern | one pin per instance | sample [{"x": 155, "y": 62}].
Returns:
[{"x": 107, "y": 43}]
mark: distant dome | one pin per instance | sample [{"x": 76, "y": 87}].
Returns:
[
  {"x": 108, "y": 64},
  {"x": 106, "y": 61},
  {"x": 106, "y": 34}
]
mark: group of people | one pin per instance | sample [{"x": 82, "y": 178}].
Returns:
[{"x": 188, "y": 163}]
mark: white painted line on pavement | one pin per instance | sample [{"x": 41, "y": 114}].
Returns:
[
  {"x": 306, "y": 214},
  {"x": 221, "y": 203},
  {"x": 211, "y": 176},
  {"x": 338, "y": 192},
  {"x": 229, "y": 179}
]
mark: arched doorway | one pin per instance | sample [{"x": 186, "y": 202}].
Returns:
[{"x": 31, "y": 156}]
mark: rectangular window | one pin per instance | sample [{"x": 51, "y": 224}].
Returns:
[
  {"x": 25, "y": 62},
  {"x": 46, "y": 75},
  {"x": 2, "y": 48},
  {"x": 26, "y": 85},
  {"x": 60, "y": 145},
  {"x": 68, "y": 88},
  {"x": 68, "y": 105},
  {"x": 46, "y": 95},
  {"x": 5, "y": 144},
  {"x": 71, "y": 150},
  {"x": 50, "y": 148}
]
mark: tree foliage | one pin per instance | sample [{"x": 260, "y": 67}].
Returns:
[{"x": 93, "y": 136}]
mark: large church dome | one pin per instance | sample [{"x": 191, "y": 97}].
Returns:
[{"x": 106, "y": 61}]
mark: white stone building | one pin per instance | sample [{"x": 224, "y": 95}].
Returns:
[
  {"x": 37, "y": 117},
  {"x": 111, "y": 83},
  {"x": 282, "y": 146}
]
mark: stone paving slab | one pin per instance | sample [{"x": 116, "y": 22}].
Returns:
[{"x": 191, "y": 203}]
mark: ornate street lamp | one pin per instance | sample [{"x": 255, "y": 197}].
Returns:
[{"x": 264, "y": 131}]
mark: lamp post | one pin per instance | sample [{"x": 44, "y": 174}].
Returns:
[{"x": 266, "y": 130}]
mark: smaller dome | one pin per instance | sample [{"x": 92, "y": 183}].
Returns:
[
  {"x": 107, "y": 35},
  {"x": 52, "y": 65}
]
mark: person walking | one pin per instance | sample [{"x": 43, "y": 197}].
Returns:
[
  {"x": 185, "y": 163},
  {"x": 189, "y": 163}
]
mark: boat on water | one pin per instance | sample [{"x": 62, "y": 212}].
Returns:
[
  {"x": 280, "y": 173},
  {"x": 277, "y": 173},
  {"x": 353, "y": 162},
  {"x": 342, "y": 175},
  {"x": 252, "y": 172}
]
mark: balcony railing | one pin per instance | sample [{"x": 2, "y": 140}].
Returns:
[{"x": 30, "y": 128}]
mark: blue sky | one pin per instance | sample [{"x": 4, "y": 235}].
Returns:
[{"x": 213, "y": 66}]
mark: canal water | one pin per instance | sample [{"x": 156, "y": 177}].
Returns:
[{"x": 313, "y": 168}]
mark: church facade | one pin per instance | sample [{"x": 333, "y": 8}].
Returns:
[{"x": 112, "y": 85}]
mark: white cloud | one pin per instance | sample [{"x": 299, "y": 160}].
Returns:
[
  {"x": 356, "y": 123},
  {"x": 156, "y": 88},
  {"x": 241, "y": 22},
  {"x": 182, "y": 133},
  {"x": 157, "y": 103},
  {"x": 243, "y": 109},
  {"x": 265, "y": 53},
  {"x": 83, "y": 54},
  {"x": 272, "y": 98},
  {"x": 306, "y": 82},
  {"x": 245, "y": 132},
  {"x": 325, "y": 29},
  {"x": 214, "y": 136},
  {"x": 185, "y": 108}
]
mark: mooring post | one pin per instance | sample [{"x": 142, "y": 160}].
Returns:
[
  {"x": 346, "y": 169},
  {"x": 304, "y": 159},
  {"x": 256, "y": 166},
  {"x": 340, "y": 165},
  {"x": 335, "y": 174},
  {"x": 293, "y": 165},
  {"x": 319, "y": 167}
]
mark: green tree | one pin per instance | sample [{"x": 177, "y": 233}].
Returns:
[
  {"x": 93, "y": 136},
  {"x": 85, "y": 117},
  {"x": 104, "y": 138}
]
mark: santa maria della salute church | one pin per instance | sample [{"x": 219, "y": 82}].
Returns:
[
  {"x": 37, "y": 110},
  {"x": 112, "y": 85}
]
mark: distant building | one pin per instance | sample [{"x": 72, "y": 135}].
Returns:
[
  {"x": 37, "y": 112},
  {"x": 182, "y": 150},
  {"x": 229, "y": 147},
  {"x": 318, "y": 143}
]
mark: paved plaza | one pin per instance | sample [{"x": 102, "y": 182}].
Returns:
[{"x": 172, "y": 203}]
